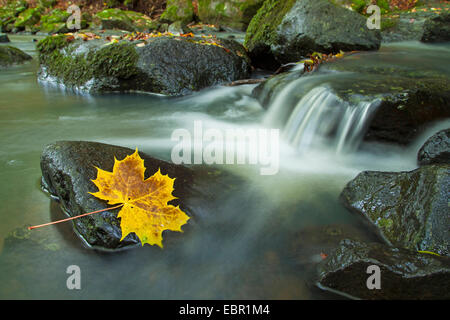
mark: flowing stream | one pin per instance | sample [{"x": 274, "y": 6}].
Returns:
[{"x": 258, "y": 243}]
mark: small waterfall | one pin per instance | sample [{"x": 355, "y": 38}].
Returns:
[{"x": 320, "y": 118}]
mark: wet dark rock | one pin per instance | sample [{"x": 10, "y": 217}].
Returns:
[
  {"x": 287, "y": 31},
  {"x": 67, "y": 170},
  {"x": 10, "y": 56},
  {"x": 436, "y": 149},
  {"x": 437, "y": 29},
  {"x": 410, "y": 209},
  {"x": 404, "y": 274},
  {"x": 164, "y": 65},
  {"x": 4, "y": 38}
]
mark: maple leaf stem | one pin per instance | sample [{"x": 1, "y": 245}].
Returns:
[{"x": 72, "y": 218}]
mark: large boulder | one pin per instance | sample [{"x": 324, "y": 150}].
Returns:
[
  {"x": 286, "y": 31},
  {"x": 235, "y": 14},
  {"x": 403, "y": 274},
  {"x": 68, "y": 168},
  {"x": 10, "y": 56},
  {"x": 436, "y": 149},
  {"x": 168, "y": 65},
  {"x": 410, "y": 209},
  {"x": 54, "y": 22}
]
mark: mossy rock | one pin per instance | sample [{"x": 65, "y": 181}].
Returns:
[
  {"x": 286, "y": 31},
  {"x": 10, "y": 56},
  {"x": 235, "y": 14},
  {"x": 100, "y": 66},
  {"x": 28, "y": 18},
  {"x": 102, "y": 63},
  {"x": 178, "y": 10},
  {"x": 13, "y": 8},
  {"x": 125, "y": 20}
]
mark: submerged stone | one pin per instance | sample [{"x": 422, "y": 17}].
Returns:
[
  {"x": 178, "y": 10},
  {"x": 11, "y": 55}
]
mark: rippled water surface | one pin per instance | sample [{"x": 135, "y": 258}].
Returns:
[{"x": 258, "y": 242}]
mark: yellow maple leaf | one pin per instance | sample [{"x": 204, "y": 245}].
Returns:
[{"x": 145, "y": 210}]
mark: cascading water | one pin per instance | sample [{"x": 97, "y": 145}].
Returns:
[{"x": 320, "y": 118}]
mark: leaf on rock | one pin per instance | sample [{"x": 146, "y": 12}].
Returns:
[{"x": 145, "y": 210}]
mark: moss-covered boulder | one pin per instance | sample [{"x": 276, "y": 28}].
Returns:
[
  {"x": 436, "y": 149},
  {"x": 404, "y": 274},
  {"x": 10, "y": 56},
  {"x": 178, "y": 10},
  {"x": 9, "y": 13},
  {"x": 410, "y": 209},
  {"x": 169, "y": 65},
  {"x": 235, "y": 14},
  {"x": 286, "y": 31},
  {"x": 28, "y": 18},
  {"x": 54, "y": 22},
  {"x": 125, "y": 20}
]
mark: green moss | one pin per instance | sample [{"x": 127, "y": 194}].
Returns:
[
  {"x": 388, "y": 23},
  {"x": 28, "y": 17},
  {"x": 136, "y": 20},
  {"x": 264, "y": 23},
  {"x": 385, "y": 224},
  {"x": 178, "y": 10},
  {"x": 359, "y": 5},
  {"x": 220, "y": 9},
  {"x": 59, "y": 57}
]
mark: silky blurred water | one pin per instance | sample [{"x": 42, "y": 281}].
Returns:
[{"x": 246, "y": 247}]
